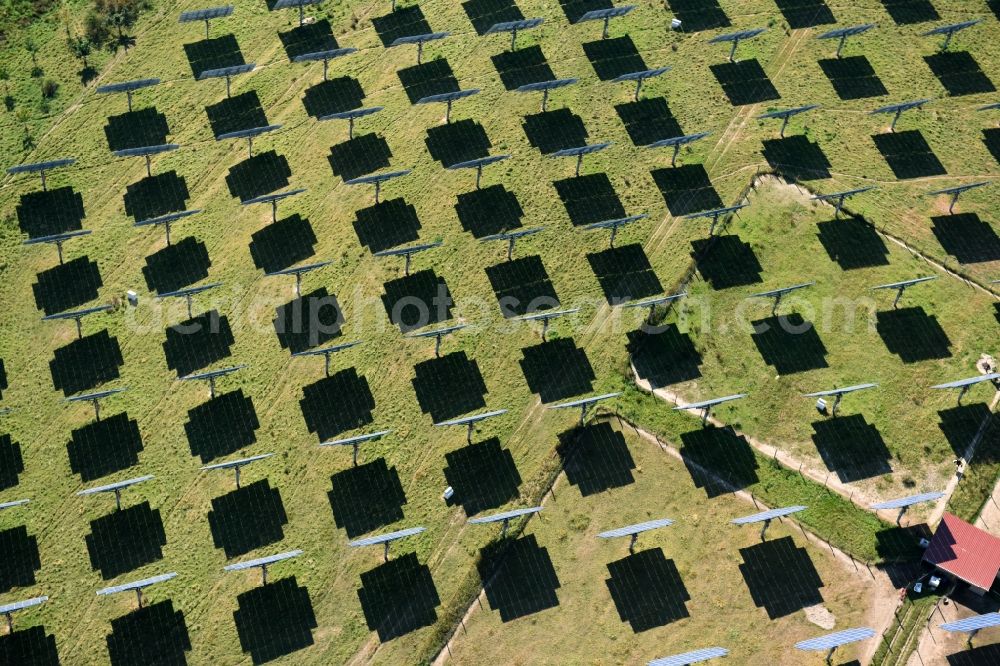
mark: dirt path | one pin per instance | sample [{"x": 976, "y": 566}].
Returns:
[{"x": 989, "y": 519}]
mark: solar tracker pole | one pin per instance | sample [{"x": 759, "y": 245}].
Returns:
[
  {"x": 479, "y": 176},
  {"x": 447, "y": 113},
  {"x": 10, "y": 622},
  {"x": 895, "y": 119},
  {"x": 128, "y": 95},
  {"x": 59, "y": 245},
  {"x": 420, "y": 55},
  {"x": 732, "y": 50},
  {"x": 513, "y": 38},
  {"x": 784, "y": 125},
  {"x": 677, "y": 151},
  {"x": 632, "y": 542},
  {"x": 545, "y": 102},
  {"x": 763, "y": 529},
  {"x": 839, "y": 206},
  {"x": 840, "y": 45},
  {"x": 44, "y": 189},
  {"x": 96, "y": 402}
]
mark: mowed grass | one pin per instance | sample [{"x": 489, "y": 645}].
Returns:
[
  {"x": 706, "y": 551},
  {"x": 42, "y": 423}
]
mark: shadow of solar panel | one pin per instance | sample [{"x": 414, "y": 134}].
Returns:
[
  {"x": 483, "y": 476},
  {"x": 611, "y": 58},
  {"x": 518, "y": 577},
  {"x": 222, "y": 425},
  {"x": 726, "y": 261},
  {"x": 967, "y": 238},
  {"x": 550, "y": 131},
  {"x": 697, "y": 15},
  {"x": 11, "y": 462},
  {"x": 449, "y": 386},
  {"x": 333, "y": 96},
  {"x": 796, "y": 158},
  {"x": 853, "y": 243},
  {"x": 153, "y": 634},
  {"x": 137, "y": 129},
  {"x": 718, "y": 460},
  {"x": 648, "y": 590},
  {"x": 3, "y": 378},
  {"x": 274, "y": 620},
  {"x": 417, "y": 300},
  {"x": 908, "y": 154},
  {"x": 853, "y": 77},
  {"x": 686, "y": 189},
  {"x": 247, "y": 518},
  {"x": 155, "y": 196},
  {"x": 994, "y": 6},
  {"x": 648, "y": 120},
  {"x": 522, "y": 286},
  {"x": 486, "y": 13},
  {"x": 574, "y": 9},
  {"x": 282, "y": 244},
  {"x": 198, "y": 342},
  {"x": 309, "y": 38},
  {"x": 851, "y": 447},
  {"x": 912, "y": 334},
  {"x": 961, "y": 424},
  {"x": 664, "y": 356},
  {"x": 359, "y": 156},
  {"x": 744, "y": 82},
  {"x": 996, "y": 306},
  {"x": 488, "y": 211},
  {"x": 50, "y": 212},
  {"x": 991, "y": 139},
  {"x": 125, "y": 540},
  {"x": 902, "y": 544},
  {"x": 595, "y": 458},
  {"x": 85, "y": 363},
  {"x": 102, "y": 447},
  {"x": 589, "y": 199},
  {"x": 213, "y": 53},
  {"x": 625, "y": 273},
  {"x": 233, "y": 114},
  {"x": 457, "y": 142},
  {"x": 982, "y": 655},
  {"x": 29, "y": 646},
  {"x": 521, "y": 67},
  {"x": 556, "y": 370},
  {"x": 258, "y": 175},
  {"x": 959, "y": 73},
  {"x": 433, "y": 77},
  {"x": 19, "y": 558},
  {"x": 67, "y": 286},
  {"x": 366, "y": 497},
  {"x": 398, "y": 597},
  {"x": 906, "y": 12},
  {"x": 177, "y": 266},
  {"x": 338, "y": 403},
  {"x": 308, "y": 321},
  {"x": 781, "y": 577},
  {"x": 387, "y": 224},
  {"x": 805, "y": 13},
  {"x": 404, "y": 22},
  {"x": 789, "y": 344}
]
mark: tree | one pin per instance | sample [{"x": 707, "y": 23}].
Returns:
[
  {"x": 81, "y": 49},
  {"x": 32, "y": 48}
]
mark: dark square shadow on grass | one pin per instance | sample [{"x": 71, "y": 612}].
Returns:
[
  {"x": 686, "y": 189},
  {"x": 274, "y": 620},
  {"x": 29, "y": 646},
  {"x": 433, "y": 77},
  {"x": 851, "y": 447},
  {"x": 648, "y": 590},
  {"x": 359, "y": 156},
  {"x": 982, "y": 655},
  {"x": 796, "y": 158},
  {"x": 488, "y": 211},
  {"x": 624, "y": 273},
  {"x": 198, "y": 342},
  {"x": 522, "y": 286},
  {"x": 19, "y": 559},
  {"x": 398, "y": 597},
  {"x": 154, "y": 634},
  {"x": 125, "y": 540},
  {"x": 338, "y": 403},
  {"x": 698, "y": 15},
  {"x": 959, "y": 73},
  {"x": 449, "y": 386},
  {"x": 574, "y": 9},
  {"x": 3, "y": 379},
  {"x": 387, "y": 224},
  {"x": 308, "y": 321},
  {"x": 221, "y": 426},
  {"x": 994, "y": 6},
  {"x": 50, "y": 212},
  {"x": 366, "y": 497},
  {"x": 67, "y": 286},
  {"x": 991, "y": 139},
  {"x": 588, "y": 199},
  {"x": 789, "y": 344},
  {"x": 518, "y": 577},
  {"x": 214, "y": 53},
  {"x": 258, "y": 175},
  {"x": 726, "y": 261},
  {"x": 136, "y": 129},
  {"x": 913, "y": 335},
  {"x": 665, "y": 356},
  {"x": 11, "y": 462},
  {"x": 458, "y": 141},
  {"x": 611, "y": 58},
  {"x": 744, "y": 82},
  {"x": 853, "y": 243},
  {"x": 282, "y": 244},
  {"x": 104, "y": 447},
  {"x": 967, "y": 238},
  {"x": 908, "y": 154},
  {"x": 247, "y": 518},
  {"x": 901, "y": 544},
  {"x": 853, "y": 77},
  {"x": 961, "y": 424},
  {"x": 334, "y": 96},
  {"x": 595, "y": 458},
  {"x": 648, "y": 121},
  {"x": 805, "y": 13},
  {"x": 309, "y": 38},
  {"x": 233, "y": 114},
  {"x": 86, "y": 363},
  {"x": 417, "y": 300},
  {"x": 522, "y": 67},
  {"x": 554, "y": 130},
  {"x": 155, "y": 196},
  {"x": 906, "y": 12},
  {"x": 719, "y": 460},
  {"x": 486, "y": 13},
  {"x": 404, "y": 22},
  {"x": 781, "y": 577},
  {"x": 556, "y": 370},
  {"x": 483, "y": 476},
  {"x": 177, "y": 266}
]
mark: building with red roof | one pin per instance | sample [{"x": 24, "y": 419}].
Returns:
[{"x": 965, "y": 552}]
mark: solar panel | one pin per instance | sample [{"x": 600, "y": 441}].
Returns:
[
  {"x": 137, "y": 585},
  {"x": 952, "y": 28},
  {"x": 584, "y": 402},
  {"x": 127, "y": 86},
  {"x": 959, "y": 188},
  {"x": 287, "y": 4},
  {"x": 262, "y": 561},
  {"x": 377, "y": 178},
  {"x": 411, "y": 249},
  {"x": 652, "y": 302},
  {"x": 711, "y": 403},
  {"x": 248, "y": 133},
  {"x": 437, "y": 332},
  {"x": 972, "y": 381},
  {"x": 168, "y": 218},
  {"x": 898, "y": 109},
  {"x": 644, "y": 74},
  {"x": 513, "y": 26},
  {"x": 146, "y": 150},
  {"x": 715, "y": 213},
  {"x": 545, "y": 86},
  {"x": 693, "y": 657},
  {"x": 788, "y": 112},
  {"x": 226, "y": 71},
  {"x": 298, "y": 270},
  {"x": 98, "y": 395},
  {"x": 479, "y": 163},
  {"x": 237, "y": 463},
  {"x": 40, "y": 166},
  {"x": 111, "y": 487},
  {"x": 448, "y": 97},
  {"x": 21, "y": 605},
  {"x": 419, "y": 39},
  {"x": 908, "y": 501},
  {"x": 638, "y": 528},
  {"x": 327, "y": 350},
  {"x": 548, "y": 314},
  {"x": 358, "y": 439},
  {"x": 56, "y": 238},
  {"x": 76, "y": 314},
  {"x": 211, "y": 374},
  {"x": 206, "y": 14},
  {"x": 839, "y": 33},
  {"x": 990, "y": 107},
  {"x": 839, "y": 391},
  {"x": 619, "y": 222},
  {"x": 782, "y": 291},
  {"x": 737, "y": 36},
  {"x": 767, "y": 515},
  {"x": 190, "y": 291},
  {"x": 352, "y": 114},
  {"x": 905, "y": 283},
  {"x": 844, "y": 194},
  {"x": 475, "y": 418},
  {"x": 836, "y": 639},
  {"x": 974, "y": 623},
  {"x": 273, "y": 198},
  {"x": 580, "y": 150},
  {"x": 605, "y": 14},
  {"x": 387, "y": 538},
  {"x": 10, "y": 505},
  {"x": 505, "y": 515},
  {"x": 324, "y": 55},
  {"x": 510, "y": 235}
]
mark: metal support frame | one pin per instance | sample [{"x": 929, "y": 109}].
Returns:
[{"x": 763, "y": 529}]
